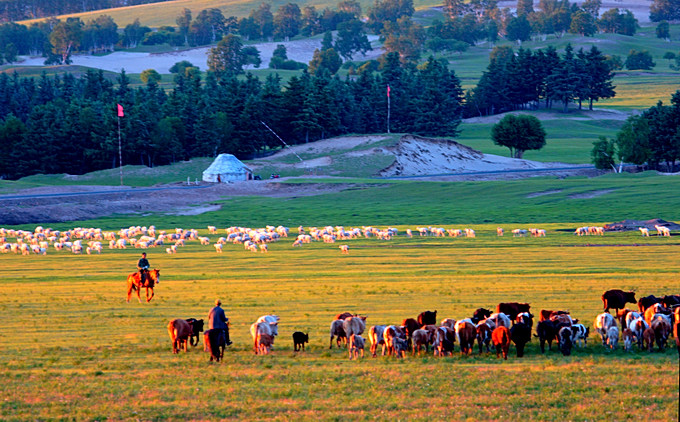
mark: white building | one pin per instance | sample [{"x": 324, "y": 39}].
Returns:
[{"x": 227, "y": 168}]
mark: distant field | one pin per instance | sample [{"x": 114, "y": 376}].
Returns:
[{"x": 78, "y": 351}]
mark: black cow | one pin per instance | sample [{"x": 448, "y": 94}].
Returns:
[
  {"x": 427, "y": 318},
  {"x": 196, "y": 328},
  {"x": 647, "y": 301},
  {"x": 546, "y": 331},
  {"x": 520, "y": 334},
  {"x": 564, "y": 336},
  {"x": 511, "y": 309},
  {"x": 670, "y": 301},
  {"x": 299, "y": 340},
  {"x": 215, "y": 343},
  {"x": 480, "y": 314},
  {"x": 617, "y": 299}
]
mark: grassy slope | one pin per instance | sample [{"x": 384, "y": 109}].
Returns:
[{"x": 79, "y": 351}]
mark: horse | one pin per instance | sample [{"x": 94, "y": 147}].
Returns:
[{"x": 134, "y": 283}]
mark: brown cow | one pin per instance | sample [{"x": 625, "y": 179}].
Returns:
[
  {"x": 484, "y": 336},
  {"x": 410, "y": 325},
  {"x": 344, "y": 315},
  {"x": 662, "y": 331},
  {"x": 657, "y": 308},
  {"x": 676, "y": 333},
  {"x": 466, "y": 333},
  {"x": 545, "y": 314},
  {"x": 427, "y": 318},
  {"x": 501, "y": 340},
  {"x": 264, "y": 343},
  {"x": 420, "y": 338},
  {"x": 512, "y": 309},
  {"x": 179, "y": 331},
  {"x": 617, "y": 299}
]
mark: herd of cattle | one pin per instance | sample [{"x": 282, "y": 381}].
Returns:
[{"x": 656, "y": 319}]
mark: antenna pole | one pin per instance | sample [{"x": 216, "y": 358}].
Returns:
[{"x": 282, "y": 141}]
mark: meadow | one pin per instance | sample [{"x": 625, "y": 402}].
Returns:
[{"x": 75, "y": 350}]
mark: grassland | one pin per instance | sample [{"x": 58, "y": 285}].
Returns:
[{"x": 75, "y": 350}]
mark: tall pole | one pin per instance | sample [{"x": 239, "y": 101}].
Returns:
[
  {"x": 120, "y": 154},
  {"x": 388, "y": 109}
]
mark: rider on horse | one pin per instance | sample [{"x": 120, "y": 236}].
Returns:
[{"x": 143, "y": 267}]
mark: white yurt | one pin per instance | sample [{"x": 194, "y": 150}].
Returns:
[{"x": 227, "y": 168}]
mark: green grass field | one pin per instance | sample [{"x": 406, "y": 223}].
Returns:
[{"x": 75, "y": 350}]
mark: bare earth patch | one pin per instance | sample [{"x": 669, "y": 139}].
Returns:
[
  {"x": 547, "y": 192},
  {"x": 591, "y": 194}
]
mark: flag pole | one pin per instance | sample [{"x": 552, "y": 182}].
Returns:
[
  {"x": 120, "y": 154},
  {"x": 388, "y": 109}
]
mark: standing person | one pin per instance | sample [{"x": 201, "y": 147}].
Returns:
[
  {"x": 143, "y": 267},
  {"x": 217, "y": 319}
]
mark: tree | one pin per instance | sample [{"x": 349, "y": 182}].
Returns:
[
  {"x": 582, "y": 23},
  {"x": 592, "y": 7},
  {"x": 388, "y": 11},
  {"x": 664, "y": 10},
  {"x": 599, "y": 76},
  {"x": 632, "y": 141},
  {"x": 525, "y": 7},
  {"x": 663, "y": 30},
  {"x": 518, "y": 29},
  {"x": 519, "y": 133},
  {"x": 227, "y": 57},
  {"x": 287, "y": 21},
  {"x": 404, "y": 37},
  {"x": 150, "y": 76},
  {"x": 184, "y": 23},
  {"x": 639, "y": 60},
  {"x": 327, "y": 59},
  {"x": 65, "y": 38},
  {"x": 180, "y": 67},
  {"x": 352, "y": 39},
  {"x": 603, "y": 153},
  {"x": 669, "y": 55}
]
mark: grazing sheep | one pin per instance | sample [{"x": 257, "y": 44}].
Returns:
[
  {"x": 644, "y": 231},
  {"x": 499, "y": 231},
  {"x": 218, "y": 247},
  {"x": 344, "y": 249},
  {"x": 264, "y": 248}
]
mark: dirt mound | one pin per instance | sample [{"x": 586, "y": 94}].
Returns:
[
  {"x": 419, "y": 156},
  {"x": 630, "y": 225}
]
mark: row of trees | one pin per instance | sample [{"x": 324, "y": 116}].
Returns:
[
  {"x": 64, "y": 124},
  {"x": 517, "y": 81},
  {"x": 651, "y": 139}
]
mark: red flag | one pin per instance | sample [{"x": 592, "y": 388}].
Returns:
[
  {"x": 388, "y": 91},
  {"x": 120, "y": 111}
]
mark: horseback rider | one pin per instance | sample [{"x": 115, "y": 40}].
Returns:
[
  {"x": 217, "y": 319},
  {"x": 143, "y": 267}
]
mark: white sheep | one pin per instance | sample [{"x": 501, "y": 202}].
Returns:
[
  {"x": 644, "y": 231},
  {"x": 218, "y": 247},
  {"x": 344, "y": 249}
]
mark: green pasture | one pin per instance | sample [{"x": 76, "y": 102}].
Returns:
[{"x": 75, "y": 350}]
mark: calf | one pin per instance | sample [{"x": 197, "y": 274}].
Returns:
[
  {"x": 648, "y": 339},
  {"x": 215, "y": 342},
  {"x": 512, "y": 309},
  {"x": 612, "y": 337},
  {"x": 580, "y": 334},
  {"x": 662, "y": 331},
  {"x": 264, "y": 343},
  {"x": 603, "y": 323},
  {"x": 484, "y": 336},
  {"x": 337, "y": 330},
  {"x": 356, "y": 344},
  {"x": 427, "y": 318},
  {"x": 628, "y": 339},
  {"x": 617, "y": 299},
  {"x": 564, "y": 337},
  {"x": 501, "y": 340},
  {"x": 400, "y": 347},
  {"x": 520, "y": 334},
  {"x": 391, "y": 333},
  {"x": 546, "y": 331},
  {"x": 657, "y": 308},
  {"x": 376, "y": 336},
  {"x": 179, "y": 331},
  {"x": 299, "y": 340},
  {"x": 420, "y": 338},
  {"x": 196, "y": 329}
]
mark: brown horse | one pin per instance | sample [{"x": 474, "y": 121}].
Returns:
[{"x": 134, "y": 283}]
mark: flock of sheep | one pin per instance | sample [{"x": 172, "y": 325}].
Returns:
[{"x": 92, "y": 240}]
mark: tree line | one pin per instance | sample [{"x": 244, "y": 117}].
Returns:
[
  {"x": 64, "y": 124},
  {"x": 515, "y": 81},
  {"x": 17, "y": 10},
  {"x": 651, "y": 139}
]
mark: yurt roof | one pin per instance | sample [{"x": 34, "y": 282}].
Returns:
[{"x": 226, "y": 163}]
